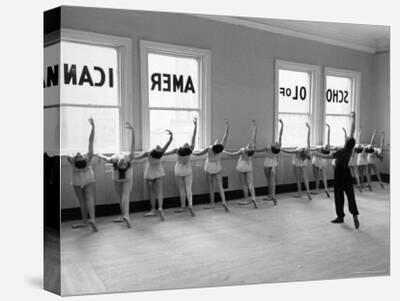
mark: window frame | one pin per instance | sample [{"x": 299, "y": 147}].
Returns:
[
  {"x": 355, "y": 76},
  {"x": 124, "y": 50},
  {"x": 315, "y": 95},
  {"x": 204, "y": 58}
]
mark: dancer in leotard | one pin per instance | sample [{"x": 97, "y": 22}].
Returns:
[
  {"x": 183, "y": 171},
  {"x": 375, "y": 153},
  {"x": 83, "y": 182},
  {"x": 245, "y": 168},
  {"x": 362, "y": 164},
  {"x": 154, "y": 174},
  {"x": 271, "y": 162},
  {"x": 213, "y": 168},
  {"x": 300, "y": 161},
  {"x": 320, "y": 164},
  {"x": 123, "y": 177}
]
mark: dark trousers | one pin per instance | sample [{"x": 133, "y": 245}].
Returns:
[{"x": 344, "y": 184}]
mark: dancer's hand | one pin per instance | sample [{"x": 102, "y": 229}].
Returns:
[
  {"x": 327, "y": 125},
  {"x": 169, "y": 132},
  {"x": 91, "y": 121},
  {"x": 129, "y": 126},
  {"x": 280, "y": 121},
  {"x": 353, "y": 114},
  {"x": 307, "y": 125},
  {"x": 195, "y": 120}
]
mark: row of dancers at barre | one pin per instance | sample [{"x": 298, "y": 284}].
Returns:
[{"x": 363, "y": 160}]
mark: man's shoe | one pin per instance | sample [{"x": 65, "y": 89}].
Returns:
[{"x": 337, "y": 220}]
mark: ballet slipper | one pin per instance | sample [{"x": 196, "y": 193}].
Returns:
[
  {"x": 150, "y": 213},
  {"x": 255, "y": 204},
  {"x": 80, "y": 225},
  {"x": 327, "y": 193},
  {"x": 274, "y": 200},
  {"x": 211, "y": 206},
  {"x": 127, "y": 221},
  {"x": 94, "y": 226},
  {"x": 309, "y": 196},
  {"x": 161, "y": 213},
  {"x": 225, "y": 207},
  {"x": 383, "y": 186},
  {"x": 356, "y": 221},
  {"x": 266, "y": 198},
  {"x": 192, "y": 211}
]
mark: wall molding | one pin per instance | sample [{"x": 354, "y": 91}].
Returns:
[{"x": 289, "y": 32}]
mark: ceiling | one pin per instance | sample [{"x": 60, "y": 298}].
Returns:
[{"x": 368, "y": 38}]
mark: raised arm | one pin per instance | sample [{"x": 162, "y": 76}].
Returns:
[
  {"x": 194, "y": 134},
  {"x": 308, "y": 135},
  {"x": 382, "y": 140},
  {"x": 91, "y": 139},
  {"x": 353, "y": 124},
  {"x": 328, "y": 135},
  {"x": 168, "y": 142},
  {"x": 280, "y": 133},
  {"x": 132, "y": 153},
  {"x": 373, "y": 138},
  {"x": 254, "y": 137},
  {"x": 345, "y": 135},
  {"x": 225, "y": 137}
]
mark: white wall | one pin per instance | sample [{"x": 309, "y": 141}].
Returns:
[{"x": 242, "y": 83}]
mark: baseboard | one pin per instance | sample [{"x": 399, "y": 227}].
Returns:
[{"x": 174, "y": 202}]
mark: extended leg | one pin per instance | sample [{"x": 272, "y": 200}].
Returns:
[
  {"x": 210, "y": 183},
  {"x": 89, "y": 192},
  {"x": 243, "y": 182},
  {"x": 82, "y": 204},
  {"x": 181, "y": 187},
  {"x": 150, "y": 188},
  {"x": 221, "y": 191}
]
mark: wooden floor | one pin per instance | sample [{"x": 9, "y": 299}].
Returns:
[{"x": 292, "y": 241}]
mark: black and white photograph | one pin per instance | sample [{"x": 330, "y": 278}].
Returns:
[{"x": 185, "y": 150}]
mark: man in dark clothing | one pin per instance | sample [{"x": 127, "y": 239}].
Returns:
[{"x": 343, "y": 181}]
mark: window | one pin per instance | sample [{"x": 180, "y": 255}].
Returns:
[
  {"x": 175, "y": 89},
  {"x": 91, "y": 76},
  {"x": 341, "y": 98},
  {"x": 297, "y": 87}
]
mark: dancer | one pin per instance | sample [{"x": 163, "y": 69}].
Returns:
[
  {"x": 83, "y": 182},
  {"x": 301, "y": 157},
  {"x": 270, "y": 164},
  {"x": 183, "y": 171},
  {"x": 362, "y": 164},
  {"x": 343, "y": 180},
  {"x": 123, "y": 177},
  {"x": 213, "y": 168},
  {"x": 320, "y": 164},
  {"x": 245, "y": 168},
  {"x": 154, "y": 174},
  {"x": 375, "y": 153}
]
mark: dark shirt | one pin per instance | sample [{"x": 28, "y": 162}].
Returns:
[{"x": 342, "y": 157}]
